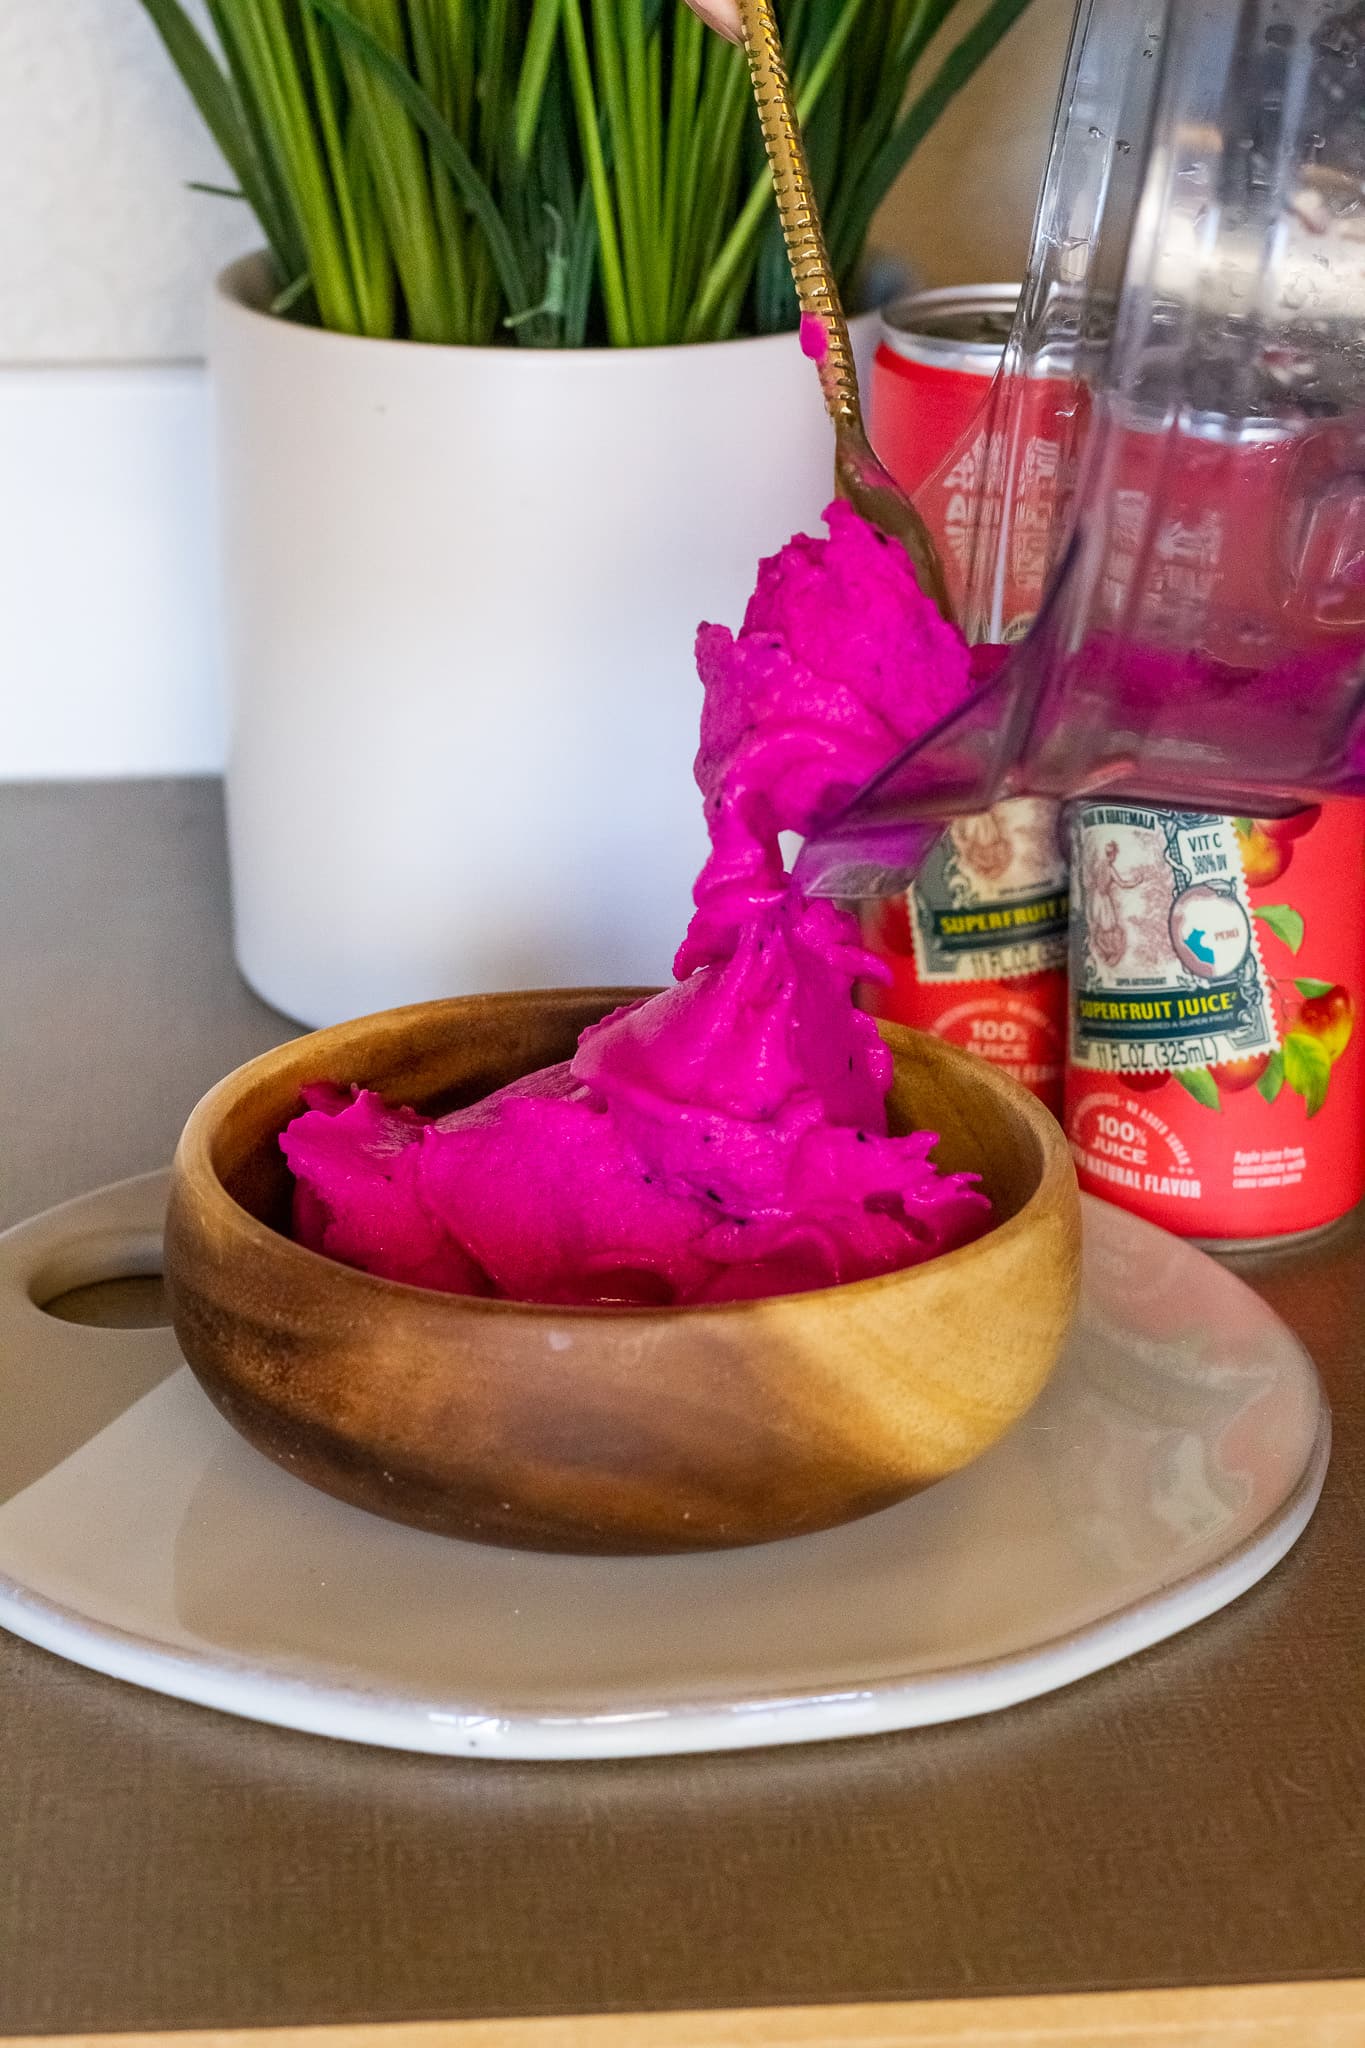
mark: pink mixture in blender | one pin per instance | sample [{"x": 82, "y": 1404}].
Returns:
[{"x": 727, "y": 1138}]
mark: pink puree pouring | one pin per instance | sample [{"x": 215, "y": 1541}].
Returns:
[{"x": 727, "y": 1138}]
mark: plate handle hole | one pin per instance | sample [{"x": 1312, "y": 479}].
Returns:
[{"x": 109, "y": 1282}]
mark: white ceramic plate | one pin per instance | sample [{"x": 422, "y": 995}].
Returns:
[{"x": 1174, "y": 1458}]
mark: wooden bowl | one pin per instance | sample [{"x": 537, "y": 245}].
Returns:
[{"x": 592, "y": 1429}]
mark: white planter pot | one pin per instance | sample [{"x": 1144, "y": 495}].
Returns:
[{"x": 461, "y": 589}]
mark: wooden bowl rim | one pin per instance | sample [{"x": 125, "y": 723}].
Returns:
[{"x": 193, "y": 1169}]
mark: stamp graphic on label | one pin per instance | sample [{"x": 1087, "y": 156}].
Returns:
[
  {"x": 991, "y": 901},
  {"x": 1166, "y": 973}
]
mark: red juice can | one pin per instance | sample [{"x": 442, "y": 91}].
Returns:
[
  {"x": 1216, "y": 1081},
  {"x": 977, "y": 948}
]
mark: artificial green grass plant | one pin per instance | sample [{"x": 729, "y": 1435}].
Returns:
[{"x": 554, "y": 172}]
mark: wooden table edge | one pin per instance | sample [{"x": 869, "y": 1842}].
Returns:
[{"x": 1311, "y": 2014}]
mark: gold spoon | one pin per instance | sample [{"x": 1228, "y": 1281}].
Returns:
[{"x": 859, "y": 474}]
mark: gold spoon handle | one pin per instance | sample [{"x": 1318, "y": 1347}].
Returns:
[
  {"x": 816, "y": 291},
  {"x": 859, "y": 476}
]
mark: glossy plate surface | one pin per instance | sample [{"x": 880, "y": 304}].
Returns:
[{"x": 1175, "y": 1457}]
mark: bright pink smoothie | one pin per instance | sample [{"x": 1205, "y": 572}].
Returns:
[{"x": 727, "y": 1138}]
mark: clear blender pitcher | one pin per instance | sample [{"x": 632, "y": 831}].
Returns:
[{"x": 1195, "y": 300}]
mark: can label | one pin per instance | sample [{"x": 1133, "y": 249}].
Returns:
[
  {"x": 977, "y": 948},
  {"x": 990, "y": 903},
  {"x": 1215, "y": 1082},
  {"x": 1167, "y": 974}
]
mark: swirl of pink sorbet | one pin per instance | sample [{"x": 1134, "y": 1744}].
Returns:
[{"x": 727, "y": 1138}]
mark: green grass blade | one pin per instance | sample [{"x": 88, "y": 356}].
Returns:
[
  {"x": 579, "y": 282},
  {"x": 494, "y": 55},
  {"x": 610, "y": 32},
  {"x": 206, "y": 83},
  {"x": 402, "y": 177},
  {"x": 267, "y": 60},
  {"x": 877, "y": 96},
  {"x": 445, "y": 144},
  {"x": 459, "y": 33},
  {"x": 743, "y": 237},
  {"x": 211, "y": 90},
  {"x": 460, "y": 274},
  {"x": 716, "y": 172},
  {"x": 590, "y": 141},
  {"x": 684, "y": 81},
  {"x": 537, "y": 57},
  {"x": 283, "y": 302},
  {"x": 665, "y": 251},
  {"x": 276, "y": 190},
  {"x": 635, "y": 166},
  {"x": 922, "y": 21},
  {"x": 334, "y": 149},
  {"x": 381, "y": 282},
  {"x": 552, "y": 188},
  {"x": 958, "y": 68}
]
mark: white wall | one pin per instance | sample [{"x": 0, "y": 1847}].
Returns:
[
  {"x": 109, "y": 643},
  {"x": 103, "y": 250}
]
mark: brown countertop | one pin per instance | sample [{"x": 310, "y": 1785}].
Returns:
[{"x": 1196, "y": 1816}]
